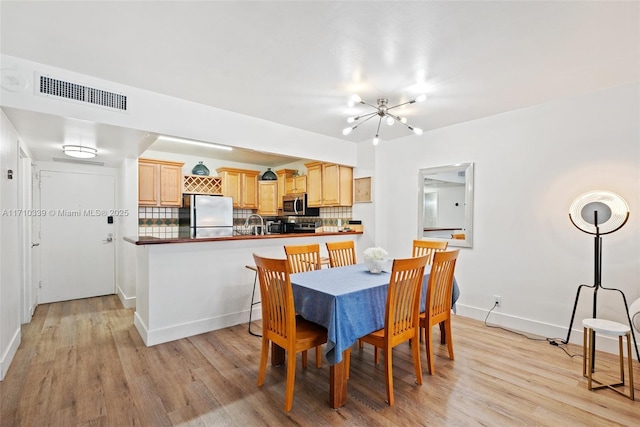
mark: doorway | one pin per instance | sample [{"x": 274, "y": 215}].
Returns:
[{"x": 77, "y": 251}]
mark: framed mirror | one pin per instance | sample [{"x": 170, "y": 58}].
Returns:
[{"x": 445, "y": 204}]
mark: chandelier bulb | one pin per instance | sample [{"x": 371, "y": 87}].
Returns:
[
  {"x": 347, "y": 131},
  {"x": 417, "y": 131},
  {"x": 355, "y": 98},
  {"x": 390, "y": 120},
  {"x": 351, "y": 119},
  {"x": 421, "y": 98},
  {"x": 376, "y": 140},
  {"x": 403, "y": 120}
]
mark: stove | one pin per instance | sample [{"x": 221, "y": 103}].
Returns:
[{"x": 306, "y": 227}]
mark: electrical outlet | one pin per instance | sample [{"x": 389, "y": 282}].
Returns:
[{"x": 497, "y": 301}]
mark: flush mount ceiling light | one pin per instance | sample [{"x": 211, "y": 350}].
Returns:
[
  {"x": 382, "y": 111},
  {"x": 79, "y": 151}
]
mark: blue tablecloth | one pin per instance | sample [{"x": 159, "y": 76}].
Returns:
[{"x": 348, "y": 301}]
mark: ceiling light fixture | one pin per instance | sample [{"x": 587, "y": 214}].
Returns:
[
  {"x": 192, "y": 142},
  {"x": 79, "y": 151},
  {"x": 382, "y": 111}
]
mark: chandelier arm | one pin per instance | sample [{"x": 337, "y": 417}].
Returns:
[
  {"x": 368, "y": 118},
  {"x": 400, "y": 105},
  {"x": 378, "y": 130},
  {"x": 366, "y": 103},
  {"x": 397, "y": 119},
  {"x": 365, "y": 115}
]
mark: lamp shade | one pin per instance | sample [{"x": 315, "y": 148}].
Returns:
[{"x": 604, "y": 209}]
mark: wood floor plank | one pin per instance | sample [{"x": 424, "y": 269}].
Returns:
[{"x": 83, "y": 363}]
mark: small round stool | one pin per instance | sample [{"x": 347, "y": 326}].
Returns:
[{"x": 612, "y": 329}]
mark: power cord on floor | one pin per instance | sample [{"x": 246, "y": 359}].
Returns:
[{"x": 558, "y": 342}]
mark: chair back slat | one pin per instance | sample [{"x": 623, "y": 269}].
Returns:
[
  {"x": 303, "y": 257},
  {"x": 278, "y": 313},
  {"x": 440, "y": 285},
  {"x": 429, "y": 248},
  {"x": 341, "y": 253},
  {"x": 403, "y": 298}
]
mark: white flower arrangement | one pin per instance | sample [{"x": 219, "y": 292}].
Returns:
[{"x": 376, "y": 259}]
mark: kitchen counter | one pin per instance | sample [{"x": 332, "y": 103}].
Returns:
[
  {"x": 148, "y": 240},
  {"x": 202, "y": 284}
]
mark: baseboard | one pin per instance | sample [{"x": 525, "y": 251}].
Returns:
[
  {"x": 9, "y": 353},
  {"x": 127, "y": 302},
  {"x": 175, "y": 332},
  {"x": 539, "y": 329}
]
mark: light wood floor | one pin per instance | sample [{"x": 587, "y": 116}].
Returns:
[{"x": 83, "y": 363}]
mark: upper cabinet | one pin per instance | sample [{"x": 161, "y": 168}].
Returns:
[
  {"x": 201, "y": 184},
  {"x": 290, "y": 183},
  {"x": 159, "y": 183},
  {"x": 242, "y": 185},
  {"x": 329, "y": 184},
  {"x": 268, "y": 198},
  {"x": 283, "y": 176},
  {"x": 296, "y": 184}
]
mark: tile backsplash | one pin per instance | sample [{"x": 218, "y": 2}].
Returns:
[
  {"x": 163, "y": 222},
  {"x": 158, "y": 222}
]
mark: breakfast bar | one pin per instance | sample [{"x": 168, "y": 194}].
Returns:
[{"x": 188, "y": 286}]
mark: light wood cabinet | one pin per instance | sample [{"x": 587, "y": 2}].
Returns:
[
  {"x": 296, "y": 184},
  {"x": 329, "y": 184},
  {"x": 268, "y": 198},
  {"x": 159, "y": 183},
  {"x": 283, "y": 175},
  {"x": 241, "y": 185}
]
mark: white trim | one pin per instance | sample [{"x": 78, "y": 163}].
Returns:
[
  {"x": 537, "y": 329},
  {"x": 175, "y": 332},
  {"x": 127, "y": 302},
  {"x": 10, "y": 353}
]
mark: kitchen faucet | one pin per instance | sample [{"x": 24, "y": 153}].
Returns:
[{"x": 246, "y": 223}]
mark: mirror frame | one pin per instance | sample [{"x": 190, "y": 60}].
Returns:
[{"x": 468, "y": 208}]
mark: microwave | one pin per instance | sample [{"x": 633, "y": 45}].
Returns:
[
  {"x": 280, "y": 227},
  {"x": 296, "y": 204}
]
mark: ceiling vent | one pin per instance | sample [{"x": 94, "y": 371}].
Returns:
[
  {"x": 84, "y": 162},
  {"x": 48, "y": 86}
]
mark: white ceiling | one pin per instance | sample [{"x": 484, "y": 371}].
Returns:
[{"x": 296, "y": 63}]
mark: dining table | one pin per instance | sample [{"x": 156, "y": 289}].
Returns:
[{"x": 350, "y": 302}]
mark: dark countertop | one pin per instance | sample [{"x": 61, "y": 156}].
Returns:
[{"x": 148, "y": 240}]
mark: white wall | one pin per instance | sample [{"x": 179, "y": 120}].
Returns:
[
  {"x": 10, "y": 290},
  {"x": 530, "y": 164},
  {"x": 161, "y": 114},
  {"x": 127, "y": 198}
]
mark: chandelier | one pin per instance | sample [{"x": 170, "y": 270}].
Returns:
[{"x": 382, "y": 110}]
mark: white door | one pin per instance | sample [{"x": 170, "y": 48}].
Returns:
[{"x": 76, "y": 239}]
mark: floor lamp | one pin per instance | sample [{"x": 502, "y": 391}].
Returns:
[{"x": 599, "y": 213}]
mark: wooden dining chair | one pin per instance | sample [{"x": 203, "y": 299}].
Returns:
[
  {"x": 428, "y": 247},
  {"x": 281, "y": 326},
  {"x": 341, "y": 253},
  {"x": 438, "y": 302},
  {"x": 459, "y": 236},
  {"x": 303, "y": 257},
  {"x": 402, "y": 316}
]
